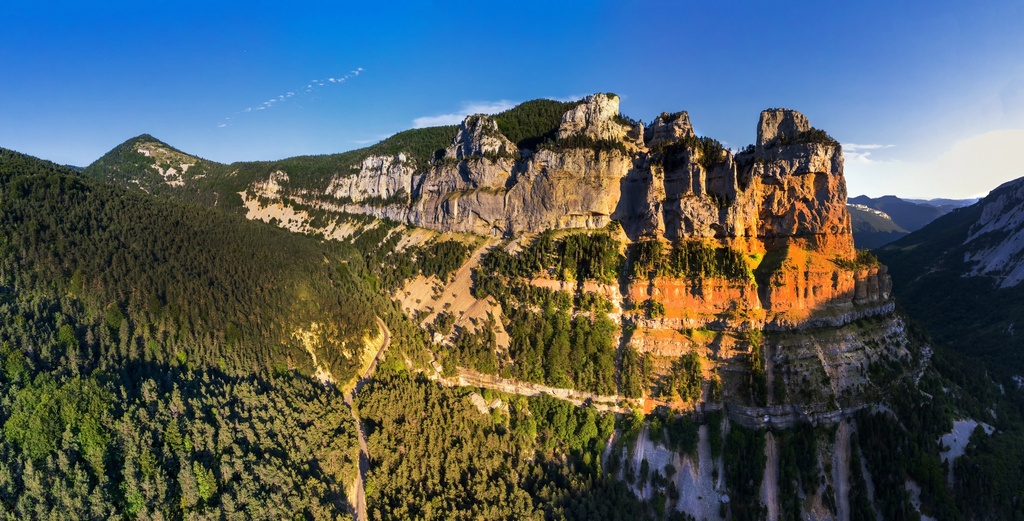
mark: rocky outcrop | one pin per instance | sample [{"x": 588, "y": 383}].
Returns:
[
  {"x": 595, "y": 118},
  {"x": 378, "y": 177},
  {"x": 673, "y": 187},
  {"x": 273, "y": 186},
  {"x": 668, "y": 129},
  {"x": 479, "y": 136},
  {"x": 779, "y": 124},
  {"x": 803, "y": 197}
]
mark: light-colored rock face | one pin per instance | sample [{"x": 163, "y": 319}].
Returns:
[
  {"x": 791, "y": 192},
  {"x": 594, "y": 118},
  {"x": 803, "y": 197},
  {"x": 172, "y": 166},
  {"x": 782, "y": 206},
  {"x": 479, "y": 136},
  {"x": 273, "y": 186},
  {"x": 379, "y": 177},
  {"x": 577, "y": 188},
  {"x": 668, "y": 129},
  {"x": 996, "y": 241},
  {"x": 775, "y": 123}
]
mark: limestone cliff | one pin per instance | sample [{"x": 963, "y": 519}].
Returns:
[
  {"x": 779, "y": 204},
  {"x": 782, "y": 200},
  {"x": 663, "y": 183},
  {"x": 381, "y": 177},
  {"x": 479, "y": 136}
]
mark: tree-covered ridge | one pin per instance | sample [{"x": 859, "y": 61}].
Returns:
[
  {"x": 971, "y": 314},
  {"x": 420, "y": 146},
  {"x": 567, "y": 256},
  {"x": 216, "y": 184},
  {"x": 174, "y": 282},
  {"x": 691, "y": 259},
  {"x": 531, "y": 123},
  {"x": 437, "y": 457},
  {"x": 678, "y": 154},
  {"x": 16, "y": 163},
  {"x": 147, "y": 366},
  {"x": 125, "y": 163}
]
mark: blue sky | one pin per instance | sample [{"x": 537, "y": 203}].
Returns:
[{"x": 927, "y": 97}]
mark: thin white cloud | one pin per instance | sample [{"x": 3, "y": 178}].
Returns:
[
  {"x": 855, "y": 147},
  {"x": 310, "y": 87},
  {"x": 862, "y": 153},
  {"x": 470, "y": 107},
  {"x": 567, "y": 99}
]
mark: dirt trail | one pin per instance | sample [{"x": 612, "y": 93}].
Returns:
[
  {"x": 359, "y": 505},
  {"x": 467, "y": 377},
  {"x": 770, "y": 483},
  {"x": 841, "y": 472}
]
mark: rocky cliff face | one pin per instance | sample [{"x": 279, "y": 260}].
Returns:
[
  {"x": 381, "y": 177},
  {"x": 783, "y": 200},
  {"x": 781, "y": 204},
  {"x": 995, "y": 242},
  {"x": 479, "y": 136},
  {"x": 789, "y": 340},
  {"x": 595, "y": 119},
  {"x": 662, "y": 183}
]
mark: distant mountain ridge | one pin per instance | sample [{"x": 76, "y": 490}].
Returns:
[
  {"x": 947, "y": 204},
  {"x": 962, "y": 276},
  {"x": 881, "y": 220},
  {"x": 872, "y": 228}
]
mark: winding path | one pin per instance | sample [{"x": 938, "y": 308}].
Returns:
[{"x": 364, "y": 455}]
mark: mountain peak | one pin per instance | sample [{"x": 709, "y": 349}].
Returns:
[
  {"x": 148, "y": 163},
  {"x": 596, "y": 117},
  {"x": 780, "y": 123}
]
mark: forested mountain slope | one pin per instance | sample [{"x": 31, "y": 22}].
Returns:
[
  {"x": 149, "y": 362},
  {"x": 961, "y": 276},
  {"x": 155, "y": 363},
  {"x": 873, "y": 228},
  {"x": 566, "y": 249}
]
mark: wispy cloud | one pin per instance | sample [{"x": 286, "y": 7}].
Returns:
[
  {"x": 567, "y": 99},
  {"x": 861, "y": 153},
  {"x": 469, "y": 107},
  {"x": 371, "y": 140},
  {"x": 310, "y": 87}
]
